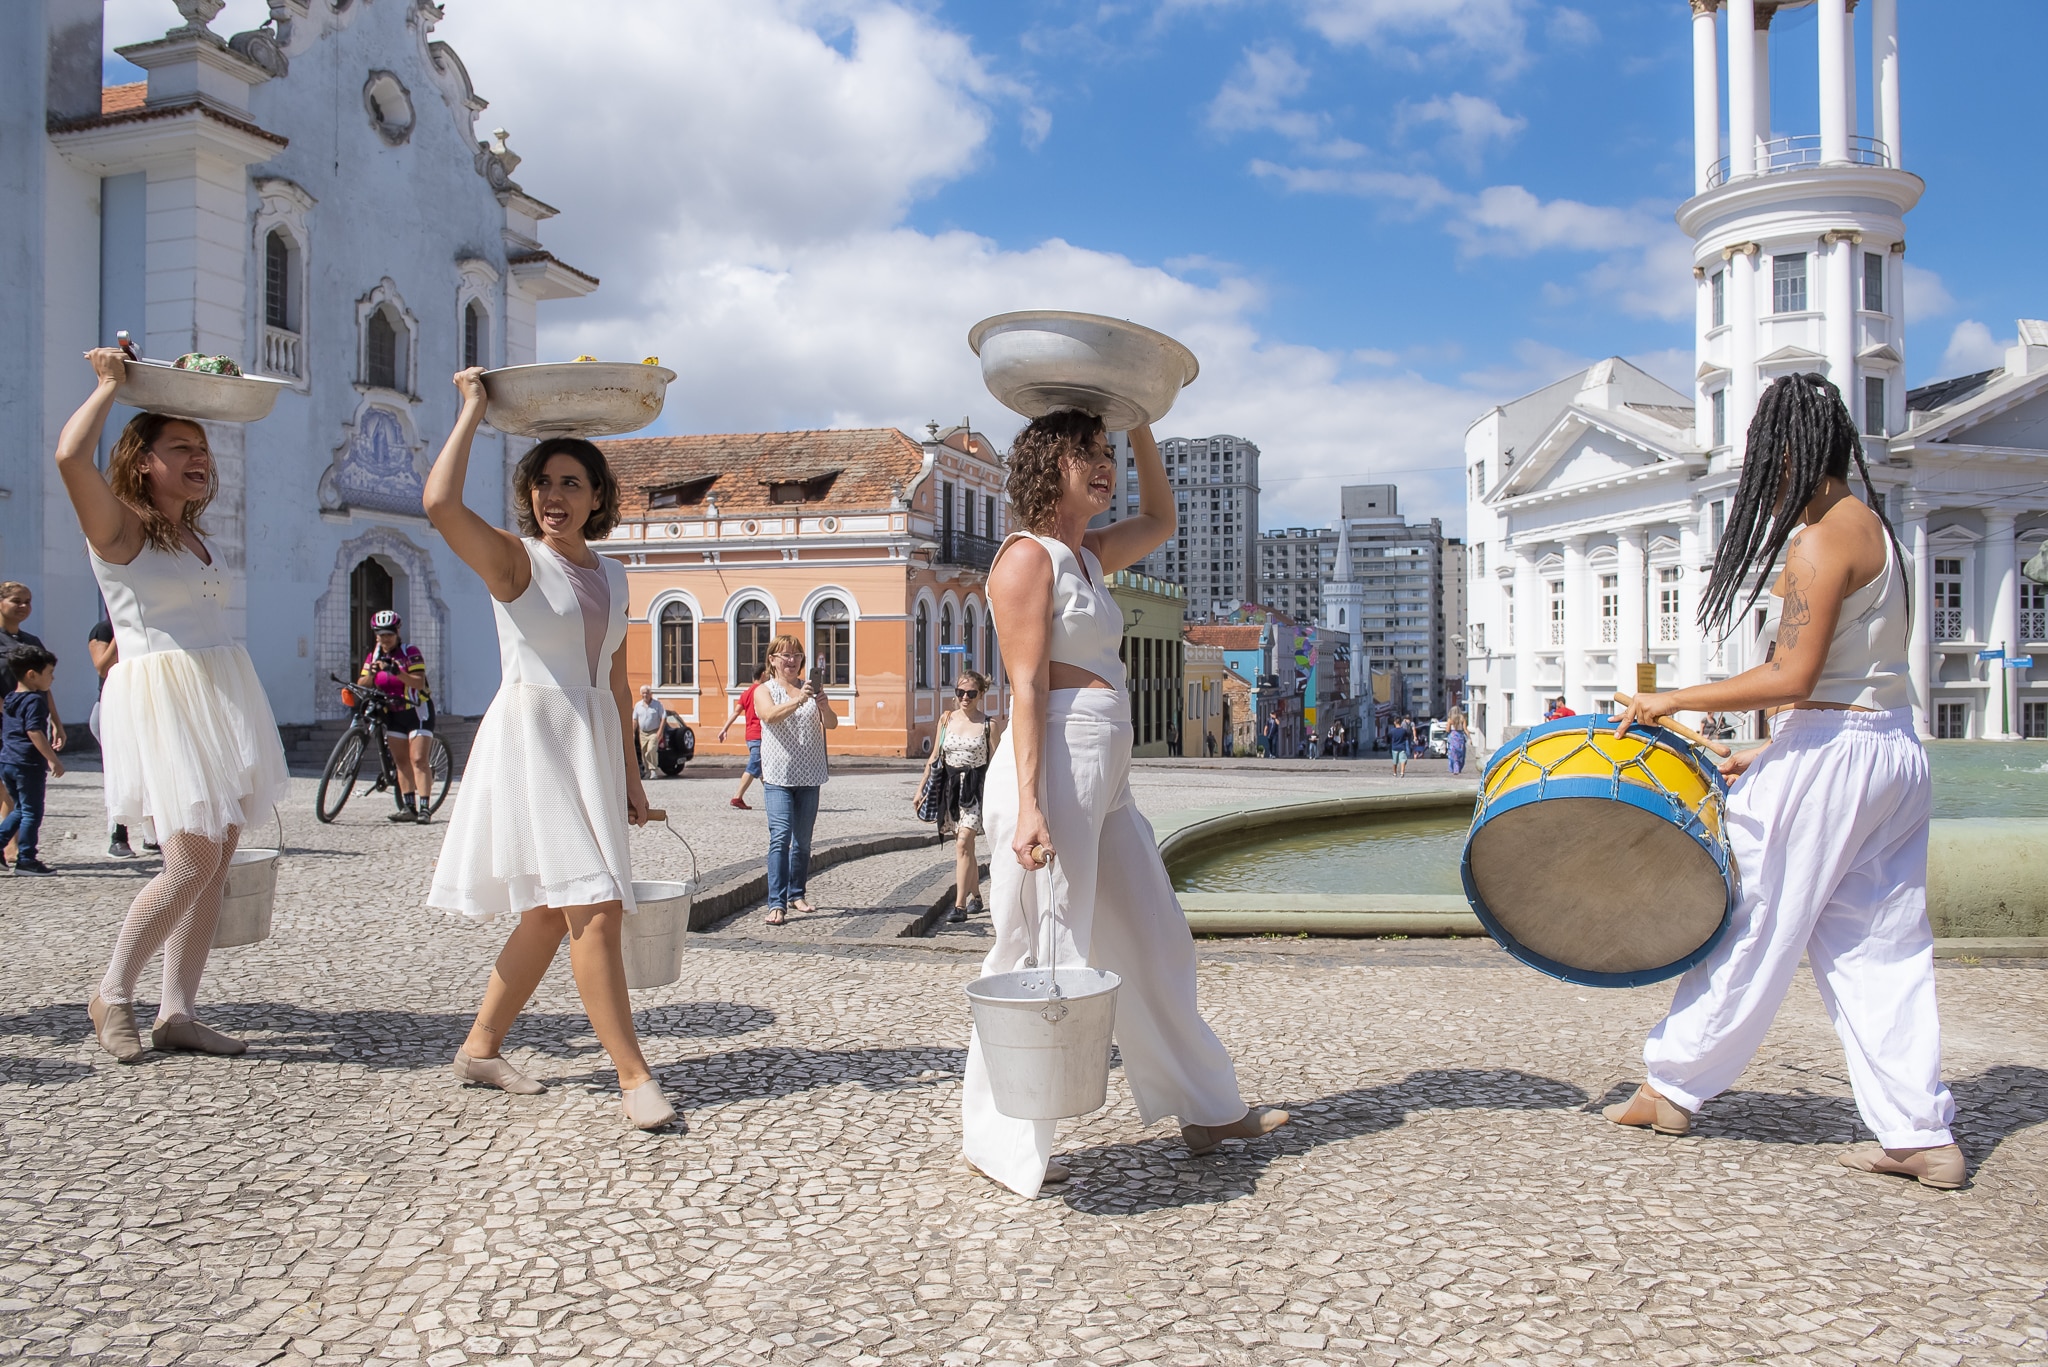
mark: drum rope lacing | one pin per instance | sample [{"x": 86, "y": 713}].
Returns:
[{"x": 1682, "y": 812}]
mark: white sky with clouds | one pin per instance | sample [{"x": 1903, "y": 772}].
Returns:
[{"x": 802, "y": 205}]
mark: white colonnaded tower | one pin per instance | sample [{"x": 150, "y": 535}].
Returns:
[{"x": 1595, "y": 505}]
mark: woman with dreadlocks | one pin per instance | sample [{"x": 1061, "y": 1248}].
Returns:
[{"x": 1828, "y": 821}]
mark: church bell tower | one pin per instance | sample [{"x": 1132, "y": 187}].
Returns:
[{"x": 1799, "y": 236}]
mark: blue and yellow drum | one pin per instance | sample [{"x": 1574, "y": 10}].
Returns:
[{"x": 1601, "y": 859}]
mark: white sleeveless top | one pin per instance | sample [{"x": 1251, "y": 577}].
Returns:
[
  {"x": 1866, "y": 665},
  {"x": 165, "y": 600},
  {"x": 540, "y": 633},
  {"x": 1087, "y": 625}
]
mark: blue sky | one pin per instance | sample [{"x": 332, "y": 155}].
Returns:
[{"x": 1371, "y": 218}]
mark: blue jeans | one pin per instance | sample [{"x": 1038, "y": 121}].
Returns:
[
  {"x": 25, "y": 784},
  {"x": 792, "y": 812}
]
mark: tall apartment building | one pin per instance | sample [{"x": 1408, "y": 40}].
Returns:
[
  {"x": 1216, "y": 490},
  {"x": 1393, "y": 612}
]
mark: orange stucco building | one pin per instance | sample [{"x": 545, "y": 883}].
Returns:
[{"x": 869, "y": 546}]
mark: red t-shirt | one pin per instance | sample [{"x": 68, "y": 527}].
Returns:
[{"x": 747, "y": 710}]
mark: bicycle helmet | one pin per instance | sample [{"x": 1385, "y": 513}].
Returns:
[{"x": 386, "y": 620}]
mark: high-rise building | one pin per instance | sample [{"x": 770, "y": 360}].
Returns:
[
  {"x": 1394, "y": 609},
  {"x": 1216, "y": 492}
]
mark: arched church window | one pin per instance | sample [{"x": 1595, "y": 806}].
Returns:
[
  {"x": 384, "y": 359},
  {"x": 476, "y": 335}
]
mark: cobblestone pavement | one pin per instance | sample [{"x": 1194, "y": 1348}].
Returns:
[{"x": 1445, "y": 1195}]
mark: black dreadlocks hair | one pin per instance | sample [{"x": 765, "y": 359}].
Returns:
[{"x": 1802, "y": 433}]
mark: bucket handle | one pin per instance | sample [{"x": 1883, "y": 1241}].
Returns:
[
  {"x": 1055, "y": 1009},
  {"x": 661, "y": 815}
]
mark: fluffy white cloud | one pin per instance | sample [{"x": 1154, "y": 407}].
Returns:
[
  {"x": 1472, "y": 125},
  {"x": 1255, "y": 99},
  {"x": 1971, "y": 348},
  {"x": 1447, "y": 29},
  {"x": 1926, "y": 296}
]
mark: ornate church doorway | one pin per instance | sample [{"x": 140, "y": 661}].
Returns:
[{"x": 370, "y": 591}]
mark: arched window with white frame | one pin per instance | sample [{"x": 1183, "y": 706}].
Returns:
[
  {"x": 675, "y": 646},
  {"x": 921, "y": 647},
  {"x": 832, "y": 642},
  {"x": 948, "y": 661},
  {"x": 752, "y": 628}
]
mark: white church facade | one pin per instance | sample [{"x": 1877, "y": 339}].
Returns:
[
  {"x": 1594, "y": 505},
  {"x": 310, "y": 198}
]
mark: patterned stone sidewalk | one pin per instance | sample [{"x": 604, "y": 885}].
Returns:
[{"x": 1446, "y": 1194}]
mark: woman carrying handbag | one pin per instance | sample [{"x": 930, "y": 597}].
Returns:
[{"x": 951, "y": 787}]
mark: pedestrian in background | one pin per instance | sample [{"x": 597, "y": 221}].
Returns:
[
  {"x": 27, "y": 759},
  {"x": 1403, "y": 744},
  {"x": 794, "y": 719},
  {"x": 1454, "y": 741},
  {"x": 648, "y": 716},
  {"x": 746, "y": 708},
  {"x": 15, "y": 605}
]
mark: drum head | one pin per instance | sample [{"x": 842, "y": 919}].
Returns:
[{"x": 1598, "y": 886}]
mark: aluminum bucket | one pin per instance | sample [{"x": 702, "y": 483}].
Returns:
[
  {"x": 652, "y": 937},
  {"x": 246, "y": 901},
  {"x": 1048, "y": 1057}
]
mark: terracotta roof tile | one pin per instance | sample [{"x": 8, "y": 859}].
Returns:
[
  {"x": 740, "y": 466},
  {"x": 119, "y": 99},
  {"x": 1229, "y": 637}
]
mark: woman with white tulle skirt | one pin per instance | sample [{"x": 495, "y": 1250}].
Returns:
[
  {"x": 1068, "y": 844},
  {"x": 553, "y": 778},
  {"x": 187, "y": 738}
]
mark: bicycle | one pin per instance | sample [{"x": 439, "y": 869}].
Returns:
[{"x": 366, "y": 732}]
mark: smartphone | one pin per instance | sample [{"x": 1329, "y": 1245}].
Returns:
[{"x": 818, "y": 677}]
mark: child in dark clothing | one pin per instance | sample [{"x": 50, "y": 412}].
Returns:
[{"x": 27, "y": 759}]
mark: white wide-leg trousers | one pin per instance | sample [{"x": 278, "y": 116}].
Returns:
[
  {"x": 1829, "y": 830},
  {"x": 1114, "y": 909}
]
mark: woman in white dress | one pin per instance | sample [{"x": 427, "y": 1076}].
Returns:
[
  {"x": 1058, "y": 799},
  {"x": 188, "y": 741},
  {"x": 553, "y": 777}
]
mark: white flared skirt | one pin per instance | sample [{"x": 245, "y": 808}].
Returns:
[
  {"x": 188, "y": 742},
  {"x": 540, "y": 817}
]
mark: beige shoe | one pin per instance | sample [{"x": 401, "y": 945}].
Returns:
[
  {"x": 189, "y": 1036},
  {"x": 1056, "y": 1173},
  {"x": 646, "y": 1108},
  {"x": 113, "y": 1024},
  {"x": 1646, "y": 1110},
  {"x": 1941, "y": 1167},
  {"x": 494, "y": 1072},
  {"x": 1259, "y": 1120}
]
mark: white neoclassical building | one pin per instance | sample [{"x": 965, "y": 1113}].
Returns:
[
  {"x": 1594, "y": 505},
  {"x": 312, "y": 199}
]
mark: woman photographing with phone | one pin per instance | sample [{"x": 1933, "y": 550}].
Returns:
[
  {"x": 553, "y": 778},
  {"x": 1057, "y": 804},
  {"x": 795, "y": 716},
  {"x": 1828, "y": 819}
]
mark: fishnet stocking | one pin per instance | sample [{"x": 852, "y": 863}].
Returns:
[{"x": 176, "y": 912}]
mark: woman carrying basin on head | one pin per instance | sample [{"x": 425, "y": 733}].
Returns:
[
  {"x": 1828, "y": 820},
  {"x": 1057, "y": 799},
  {"x": 188, "y": 741},
  {"x": 553, "y": 778}
]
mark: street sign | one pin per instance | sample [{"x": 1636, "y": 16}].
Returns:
[
  {"x": 1995, "y": 653},
  {"x": 952, "y": 650},
  {"x": 1646, "y": 677},
  {"x": 2020, "y": 662}
]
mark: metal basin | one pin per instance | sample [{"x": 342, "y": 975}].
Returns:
[
  {"x": 1043, "y": 361},
  {"x": 159, "y": 387},
  {"x": 575, "y": 398}
]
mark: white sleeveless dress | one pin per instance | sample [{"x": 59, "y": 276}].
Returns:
[
  {"x": 540, "y": 816},
  {"x": 187, "y": 738}
]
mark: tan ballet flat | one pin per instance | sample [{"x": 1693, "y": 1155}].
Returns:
[
  {"x": 1259, "y": 1120},
  {"x": 1645, "y": 1110},
  {"x": 113, "y": 1025},
  {"x": 191, "y": 1037},
  {"x": 1941, "y": 1167},
  {"x": 646, "y": 1108},
  {"x": 1056, "y": 1173},
  {"x": 494, "y": 1072}
]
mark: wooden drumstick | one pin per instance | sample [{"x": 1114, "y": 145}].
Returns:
[
  {"x": 656, "y": 815},
  {"x": 1682, "y": 731}
]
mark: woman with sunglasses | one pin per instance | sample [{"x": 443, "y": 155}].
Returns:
[
  {"x": 794, "y": 719},
  {"x": 966, "y": 740}
]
